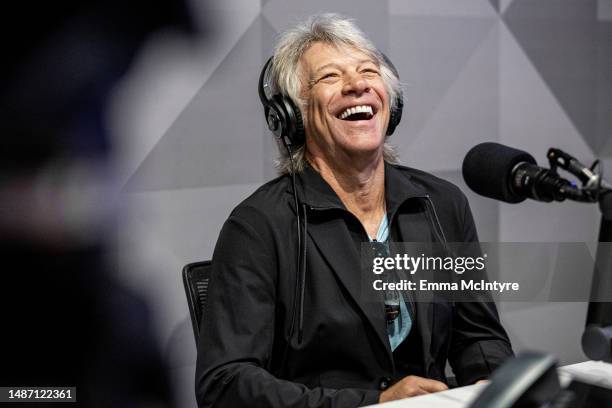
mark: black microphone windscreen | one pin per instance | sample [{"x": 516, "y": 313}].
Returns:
[{"x": 487, "y": 169}]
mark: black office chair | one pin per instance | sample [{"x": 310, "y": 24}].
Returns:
[{"x": 196, "y": 279}]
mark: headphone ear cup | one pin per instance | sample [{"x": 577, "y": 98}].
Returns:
[
  {"x": 275, "y": 116},
  {"x": 396, "y": 114},
  {"x": 298, "y": 136},
  {"x": 292, "y": 125}
]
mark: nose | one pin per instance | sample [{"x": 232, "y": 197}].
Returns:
[{"x": 355, "y": 83}]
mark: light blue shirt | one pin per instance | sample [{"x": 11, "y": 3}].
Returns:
[{"x": 399, "y": 329}]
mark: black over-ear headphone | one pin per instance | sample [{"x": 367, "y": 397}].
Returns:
[{"x": 285, "y": 119}]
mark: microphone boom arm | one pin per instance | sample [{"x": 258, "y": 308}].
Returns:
[{"x": 597, "y": 335}]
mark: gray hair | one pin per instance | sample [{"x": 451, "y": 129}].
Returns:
[{"x": 331, "y": 29}]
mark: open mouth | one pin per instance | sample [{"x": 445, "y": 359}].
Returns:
[{"x": 361, "y": 112}]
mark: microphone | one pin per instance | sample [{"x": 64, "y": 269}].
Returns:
[{"x": 511, "y": 175}]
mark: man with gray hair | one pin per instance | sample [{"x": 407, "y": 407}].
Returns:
[{"x": 287, "y": 323}]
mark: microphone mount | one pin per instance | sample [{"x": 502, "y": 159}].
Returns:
[{"x": 591, "y": 178}]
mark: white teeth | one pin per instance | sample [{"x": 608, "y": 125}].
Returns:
[{"x": 357, "y": 109}]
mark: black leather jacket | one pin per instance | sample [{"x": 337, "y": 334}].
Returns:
[{"x": 252, "y": 351}]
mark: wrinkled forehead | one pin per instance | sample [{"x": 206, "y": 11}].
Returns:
[{"x": 320, "y": 55}]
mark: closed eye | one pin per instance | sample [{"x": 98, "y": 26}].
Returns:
[
  {"x": 370, "y": 71},
  {"x": 331, "y": 75}
]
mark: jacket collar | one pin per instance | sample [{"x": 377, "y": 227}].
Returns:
[{"x": 314, "y": 191}]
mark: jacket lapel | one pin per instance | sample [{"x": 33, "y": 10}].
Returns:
[
  {"x": 414, "y": 227},
  {"x": 405, "y": 200},
  {"x": 333, "y": 240}
]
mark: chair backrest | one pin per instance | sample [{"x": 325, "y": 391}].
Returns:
[{"x": 196, "y": 279}]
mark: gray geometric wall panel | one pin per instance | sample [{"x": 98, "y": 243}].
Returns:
[
  {"x": 219, "y": 137},
  {"x": 604, "y": 10},
  {"x": 371, "y": 16},
  {"x": 531, "y": 118},
  {"x": 571, "y": 50},
  {"x": 431, "y": 55},
  {"x": 466, "y": 113},
  {"x": 443, "y": 8},
  {"x": 504, "y": 4}
]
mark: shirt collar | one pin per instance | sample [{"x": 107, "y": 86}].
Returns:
[{"x": 314, "y": 191}]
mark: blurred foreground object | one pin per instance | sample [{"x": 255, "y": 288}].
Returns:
[{"x": 67, "y": 321}]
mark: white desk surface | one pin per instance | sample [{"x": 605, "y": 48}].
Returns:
[{"x": 595, "y": 372}]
